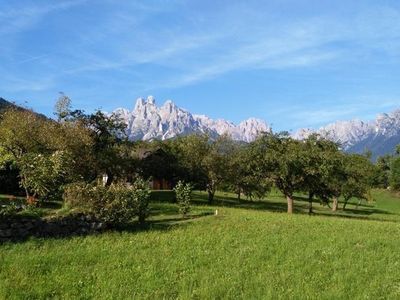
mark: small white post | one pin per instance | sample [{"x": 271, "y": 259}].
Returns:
[{"x": 105, "y": 178}]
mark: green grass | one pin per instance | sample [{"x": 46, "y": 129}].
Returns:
[{"x": 251, "y": 250}]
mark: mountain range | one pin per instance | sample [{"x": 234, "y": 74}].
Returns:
[
  {"x": 147, "y": 121},
  {"x": 380, "y": 136}
]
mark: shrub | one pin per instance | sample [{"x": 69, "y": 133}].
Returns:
[
  {"x": 77, "y": 195},
  {"x": 116, "y": 204},
  {"x": 184, "y": 197},
  {"x": 8, "y": 210},
  {"x": 141, "y": 198}
]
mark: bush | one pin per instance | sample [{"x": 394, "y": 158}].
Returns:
[
  {"x": 184, "y": 197},
  {"x": 116, "y": 204},
  {"x": 141, "y": 197},
  {"x": 8, "y": 210}
]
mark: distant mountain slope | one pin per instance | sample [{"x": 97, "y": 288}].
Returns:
[
  {"x": 380, "y": 136},
  {"x": 147, "y": 121},
  {"x": 5, "y": 104}
]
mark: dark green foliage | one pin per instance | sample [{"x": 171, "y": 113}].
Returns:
[
  {"x": 395, "y": 174},
  {"x": 381, "y": 174},
  {"x": 282, "y": 159},
  {"x": 183, "y": 197},
  {"x": 321, "y": 163},
  {"x": 156, "y": 160},
  {"x": 7, "y": 211},
  {"x": 359, "y": 172},
  {"x": 243, "y": 177},
  {"x": 163, "y": 196},
  {"x": 9, "y": 180}
]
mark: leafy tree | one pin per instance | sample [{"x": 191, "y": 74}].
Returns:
[
  {"x": 281, "y": 159},
  {"x": 23, "y": 134},
  {"x": 382, "y": 171},
  {"x": 43, "y": 174},
  {"x": 43, "y": 150},
  {"x": 216, "y": 162},
  {"x": 203, "y": 161},
  {"x": 359, "y": 171},
  {"x": 107, "y": 133},
  {"x": 190, "y": 152},
  {"x": 337, "y": 178},
  {"x": 63, "y": 107},
  {"x": 243, "y": 177},
  {"x": 319, "y": 167}
]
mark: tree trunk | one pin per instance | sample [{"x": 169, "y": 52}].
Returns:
[
  {"x": 210, "y": 196},
  {"x": 211, "y": 192},
  {"x": 345, "y": 203},
  {"x": 142, "y": 219},
  {"x": 27, "y": 193},
  {"x": 335, "y": 204},
  {"x": 25, "y": 188},
  {"x": 239, "y": 193},
  {"x": 289, "y": 204},
  {"x": 310, "y": 203},
  {"x": 110, "y": 178}
]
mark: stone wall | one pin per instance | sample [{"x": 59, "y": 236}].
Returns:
[{"x": 18, "y": 227}]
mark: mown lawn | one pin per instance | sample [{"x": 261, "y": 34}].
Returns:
[{"x": 249, "y": 251}]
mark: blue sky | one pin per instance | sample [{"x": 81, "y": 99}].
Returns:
[{"x": 293, "y": 63}]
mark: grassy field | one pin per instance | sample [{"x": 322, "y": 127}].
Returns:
[{"x": 251, "y": 250}]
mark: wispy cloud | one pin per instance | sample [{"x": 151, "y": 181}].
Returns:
[
  {"x": 207, "y": 49},
  {"x": 314, "y": 116},
  {"x": 113, "y": 48},
  {"x": 15, "y": 19}
]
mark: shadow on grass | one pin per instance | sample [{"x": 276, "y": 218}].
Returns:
[
  {"x": 26, "y": 227},
  {"x": 275, "y": 203}
]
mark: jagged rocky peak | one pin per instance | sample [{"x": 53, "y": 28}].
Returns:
[
  {"x": 169, "y": 106},
  {"x": 151, "y": 100},
  {"x": 147, "y": 121},
  {"x": 142, "y": 102}
]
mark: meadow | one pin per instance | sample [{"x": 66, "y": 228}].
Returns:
[{"x": 250, "y": 250}]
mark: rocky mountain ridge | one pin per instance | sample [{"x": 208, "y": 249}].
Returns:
[
  {"x": 147, "y": 121},
  {"x": 380, "y": 136}
]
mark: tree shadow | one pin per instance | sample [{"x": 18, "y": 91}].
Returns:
[
  {"x": 275, "y": 203},
  {"x": 25, "y": 227}
]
